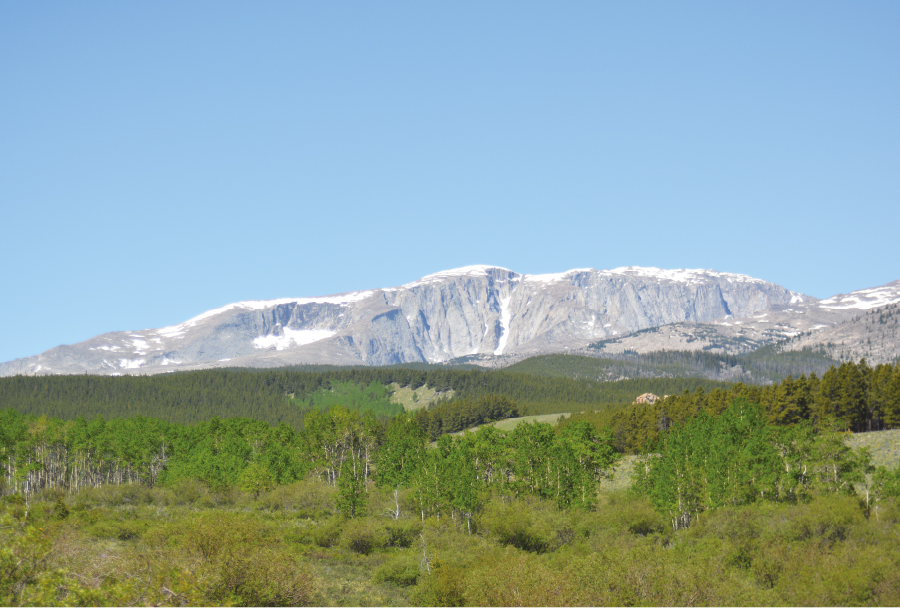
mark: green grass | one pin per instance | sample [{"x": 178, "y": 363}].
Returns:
[
  {"x": 511, "y": 423},
  {"x": 621, "y": 475},
  {"x": 375, "y": 397},
  {"x": 416, "y": 399},
  {"x": 885, "y": 447}
]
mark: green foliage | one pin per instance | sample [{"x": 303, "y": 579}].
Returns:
[
  {"x": 60, "y": 510},
  {"x": 328, "y": 534},
  {"x": 853, "y": 396},
  {"x": 738, "y": 458},
  {"x": 257, "y": 478},
  {"x": 374, "y": 398},
  {"x": 464, "y": 414},
  {"x": 518, "y": 524},
  {"x": 363, "y": 536},
  {"x": 402, "y": 570}
]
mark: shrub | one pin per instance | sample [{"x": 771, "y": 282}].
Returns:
[
  {"x": 443, "y": 586},
  {"x": 363, "y": 536},
  {"x": 828, "y": 519},
  {"x": 121, "y": 530},
  {"x": 328, "y": 534},
  {"x": 310, "y": 498},
  {"x": 402, "y": 570},
  {"x": 188, "y": 491},
  {"x": 402, "y": 533},
  {"x": 629, "y": 511},
  {"x": 215, "y": 534},
  {"x": 518, "y": 525},
  {"x": 260, "y": 577}
]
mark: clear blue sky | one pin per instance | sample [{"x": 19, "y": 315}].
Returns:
[{"x": 159, "y": 159}]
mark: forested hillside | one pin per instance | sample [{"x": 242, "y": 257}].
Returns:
[
  {"x": 854, "y": 397},
  {"x": 277, "y": 396}
]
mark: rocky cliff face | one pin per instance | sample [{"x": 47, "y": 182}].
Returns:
[
  {"x": 864, "y": 323},
  {"x": 477, "y": 310}
]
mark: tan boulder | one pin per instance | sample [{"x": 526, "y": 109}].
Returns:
[{"x": 648, "y": 398}]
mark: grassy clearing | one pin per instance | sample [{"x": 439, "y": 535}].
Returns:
[
  {"x": 885, "y": 447},
  {"x": 511, "y": 423},
  {"x": 375, "y": 397},
  {"x": 621, "y": 478},
  {"x": 416, "y": 399}
]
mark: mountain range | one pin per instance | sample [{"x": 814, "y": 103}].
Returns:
[{"x": 494, "y": 316}]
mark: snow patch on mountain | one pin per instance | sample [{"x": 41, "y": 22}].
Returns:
[
  {"x": 555, "y": 276},
  {"x": 689, "y": 276},
  {"x": 343, "y": 299},
  {"x": 465, "y": 271},
  {"x": 864, "y": 299},
  {"x": 504, "y": 325},
  {"x": 292, "y": 337}
]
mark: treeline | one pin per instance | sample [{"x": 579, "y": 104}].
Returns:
[
  {"x": 341, "y": 447},
  {"x": 740, "y": 458},
  {"x": 462, "y": 414},
  {"x": 183, "y": 398},
  {"x": 39, "y": 453},
  {"x": 276, "y": 396},
  {"x": 855, "y": 396}
]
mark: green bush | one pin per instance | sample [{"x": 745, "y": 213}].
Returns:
[
  {"x": 259, "y": 577},
  {"x": 828, "y": 519},
  {"x": 520, "y": 526},
  {"x": 629, "y": 511},
  {"x": 329, "y": 533},
  {"x": 121, "y": 530},
  {"x": 443, "y": 586},
  {"x": 188, "y": 491},
  {"x": 402, "y": 533},
  {"x": 213, "y": 535},
  {"x": 402, "y": 570},
  {"x": 310, "y": 498},
  {"x": 363, "y": 536}
]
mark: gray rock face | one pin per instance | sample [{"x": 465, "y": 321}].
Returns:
[
  {"x": 476, "y": 310},
  {"x": 864, "y": 323}
]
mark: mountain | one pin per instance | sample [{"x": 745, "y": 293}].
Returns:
[
  {"x": 863, "y": 323},
  {"x": 479, "y": 312}
]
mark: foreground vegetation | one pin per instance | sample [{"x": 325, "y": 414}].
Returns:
[
  {"x": 129, "y": 544},
  {"x": 730, "y": 502}
]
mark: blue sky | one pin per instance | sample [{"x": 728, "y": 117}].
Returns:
[{"x": 161, "y": 159}]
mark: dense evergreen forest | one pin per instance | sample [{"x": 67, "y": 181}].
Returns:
[
  {"x": 852, "y": 396},
  {"x": 277, "y": 396}
]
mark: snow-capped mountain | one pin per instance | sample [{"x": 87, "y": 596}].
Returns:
[
  {"x": 476, "y": 310},
  {"x": 863, "y": 323}
]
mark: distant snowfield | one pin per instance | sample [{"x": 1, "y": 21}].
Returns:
[
  {"x": 292, "y": 337},
  {"x": 689, "y": 276},
  {"x": 864, "y": 299}
]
